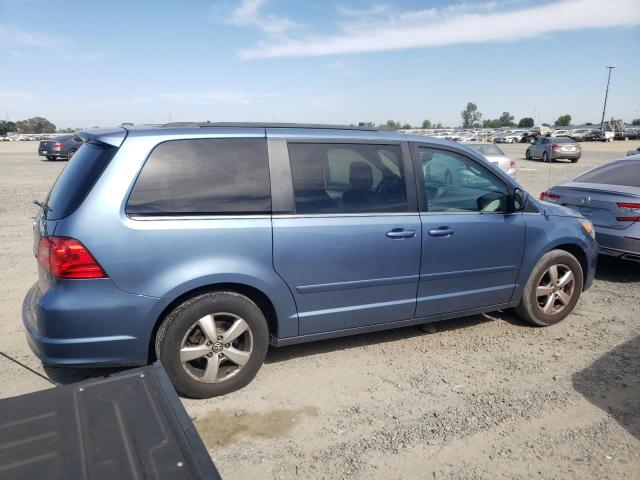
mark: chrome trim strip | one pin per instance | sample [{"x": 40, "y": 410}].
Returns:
[
  {"x": 375, "y": 282},
  {"x": 464, "y": 273},
  {"x": 147, "y": 218},
  {"x": 351, "y": 308},
  {"x": 466, "y": 293},
  {"x": 330, "y": 215}
]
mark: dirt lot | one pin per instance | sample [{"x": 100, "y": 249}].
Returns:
[{"x": 482, "y": 397}]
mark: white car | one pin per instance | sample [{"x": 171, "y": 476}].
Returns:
[
  {"x": 508, "y": 137},
  {"x": 494, "y": 155}
]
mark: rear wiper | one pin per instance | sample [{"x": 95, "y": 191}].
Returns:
[{"x": 43, "y": 205}]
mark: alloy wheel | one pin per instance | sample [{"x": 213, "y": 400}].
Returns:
[
  {"x": 555, "y": 289},
  {"x": 216, "y": 347}
]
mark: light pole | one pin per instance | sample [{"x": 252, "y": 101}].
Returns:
[{"x": 606, "y": 94}]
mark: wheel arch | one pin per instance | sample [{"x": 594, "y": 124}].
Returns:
[{"x": 263, "y": 302}]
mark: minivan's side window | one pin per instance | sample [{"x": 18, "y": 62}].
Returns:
[
  {"x": 455, "y": 183},
  {"x": 204, "y": 176},
  {"x": 347, "y": 178}
]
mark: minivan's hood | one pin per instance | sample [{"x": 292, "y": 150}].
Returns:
[{"x": 557, "y": 210}]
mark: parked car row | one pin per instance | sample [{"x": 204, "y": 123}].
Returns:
[{"x": 520, "y": 135}]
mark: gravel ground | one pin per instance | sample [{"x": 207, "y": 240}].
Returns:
[{"x": 481, "y": 397}]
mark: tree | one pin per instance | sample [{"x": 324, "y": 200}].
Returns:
[
  {"x": 426, "y": 124},
  {"x": 563, "y": 121},
  {"x": 470, "y": 116},
  {"x": 506, "y": 120},
  {"x": 635, "y": 121},
  {"x": 495, "y": 123},
  {"x": 6, "y": 127},
  {"x": 438, "y": 125},
  {"x": 392, "y": 125},
  {"x": 525, "y": 122},
  {"x": 35, "y": 125}
]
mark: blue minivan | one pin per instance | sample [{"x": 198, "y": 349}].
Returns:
[{"x": 202, "y": 244}]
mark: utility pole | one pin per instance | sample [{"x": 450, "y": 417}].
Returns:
[{"x": 606, "y": 94}]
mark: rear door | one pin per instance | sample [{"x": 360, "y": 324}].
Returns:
[
  {"x": 472, "y": 244},
  {"x": 347, "y": 238}
]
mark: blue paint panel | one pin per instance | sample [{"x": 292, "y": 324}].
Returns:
[
  {"x": 314, "y": 255},
  {"x": 476, "y": 266}
]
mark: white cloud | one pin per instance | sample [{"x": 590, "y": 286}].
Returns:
[
  {"x": 248, "y": 14},
  {"x": 14, "y": 38},
  {"x": 458, "y": 24}
]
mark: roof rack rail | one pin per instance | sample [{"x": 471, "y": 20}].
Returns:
[{"x": 266, "y": 125}]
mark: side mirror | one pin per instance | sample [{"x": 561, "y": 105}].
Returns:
[{"x": 518, "y": 200}]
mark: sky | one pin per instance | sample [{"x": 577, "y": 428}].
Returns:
[{"x": 83, "y": 64}]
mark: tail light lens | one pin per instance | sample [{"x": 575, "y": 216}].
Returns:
[
  {"x": 555, "y": 146},
  {"x": 512, "y": 164},
  {"x": 58, "y": 146},
  {"x": 634, "y": 212},
  {"x": 549, "y": 196},
  {"x": 65, "y": 257}
]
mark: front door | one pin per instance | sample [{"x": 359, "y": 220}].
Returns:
[
  {"x": 472, "y": 244},
  {"x": 350, "y": 253}
]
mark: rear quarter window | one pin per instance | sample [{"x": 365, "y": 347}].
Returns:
[
  {"x": 77, "y": 179},
  {"x": 624, "y": 174},
  {"x": 204, "y": 177}
]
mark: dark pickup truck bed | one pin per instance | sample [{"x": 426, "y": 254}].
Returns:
[{"x": 130, "y": 425}]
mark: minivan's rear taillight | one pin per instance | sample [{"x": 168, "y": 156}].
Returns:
[
  {"x": 549, "y": 196},
  {"x": 634, "y": 212},
  {"x": 58, "y": 146},
  {"x": 66, "y": 257}
]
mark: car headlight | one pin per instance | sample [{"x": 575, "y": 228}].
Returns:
[{"x": 587, "y": 226}]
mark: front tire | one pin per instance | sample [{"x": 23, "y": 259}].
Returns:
[
  {"x": 553, "y": 289},
  {"x": 213, "y": 344},
  {"x": 527, "y": 154}
]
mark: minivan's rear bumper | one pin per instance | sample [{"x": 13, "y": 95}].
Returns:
[{"x": 89, "y": 322}]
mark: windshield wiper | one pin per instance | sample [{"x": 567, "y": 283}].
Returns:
[{"x": 43, "y": 205}]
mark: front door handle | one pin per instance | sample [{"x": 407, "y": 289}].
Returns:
[
  {"x": 441, "y": 232},
  {"x": 401, "y": 233}
]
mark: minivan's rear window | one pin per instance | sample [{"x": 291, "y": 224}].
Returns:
[
  {"x": 77, "y": 179},
  {"x": 204, "y": 176}
]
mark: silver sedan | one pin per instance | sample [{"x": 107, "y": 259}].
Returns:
[{"x": 609, "y": 196}]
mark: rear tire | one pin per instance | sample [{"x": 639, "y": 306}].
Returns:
[
  {"x": 70, "y": 154},
  {"x": 541, "y": 304},
  {"x": 181, "y": 331},
  {"x": 575, "y": 160},
  {"x": 50, "y": 157}
]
